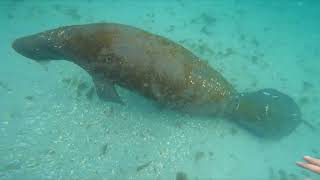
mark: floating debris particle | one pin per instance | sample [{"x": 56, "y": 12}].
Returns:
[
  {"x": 208, "y": 19},
  {"x": 143, "y": 166},
  {"x": 307, "y": 86},
  {"x": 104, "y": 149},
  {"x": 211, "y": 153},
  {"x": 90, "y": 93},
  {"x": 82, "y": 86},
  {"x": 29, "y": 98},
  {"x": 181, "y": 176},
  {"x": 205, "y": 30},
  {"x": 66, "y": 80},
  {"x": 5, "y": 86},
  {"x": 171, "y": 28},
  {"x": 198, "y": 156}
]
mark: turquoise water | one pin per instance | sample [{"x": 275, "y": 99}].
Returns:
[{"x": 49, "y": 129}]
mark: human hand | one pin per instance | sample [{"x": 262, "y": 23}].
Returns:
[{"x": 311, "y": 164}]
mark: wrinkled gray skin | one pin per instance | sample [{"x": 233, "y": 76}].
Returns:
[{"x": 163, "y": 71}]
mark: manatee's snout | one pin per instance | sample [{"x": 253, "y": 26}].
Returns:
[
  {"x": 21, "y": 46},
  {"x": 35, "y": 47}
]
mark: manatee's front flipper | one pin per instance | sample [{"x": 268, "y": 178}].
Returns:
[
  {"x": 267, "y": 113},
  {"x": 106, "y": 91}
]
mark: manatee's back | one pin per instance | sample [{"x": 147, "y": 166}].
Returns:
[{"x": 160, "y": 68}]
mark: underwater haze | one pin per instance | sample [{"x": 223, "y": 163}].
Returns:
[{"x": 54, "y": 126}]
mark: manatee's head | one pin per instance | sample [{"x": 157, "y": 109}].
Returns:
[
  {"x": 267, "y": 113},
  {"x": 39, "y": 47}
]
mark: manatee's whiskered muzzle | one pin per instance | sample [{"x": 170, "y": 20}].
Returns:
[{"x": 35, "y": 47}]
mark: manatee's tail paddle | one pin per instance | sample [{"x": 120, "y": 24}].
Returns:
[{"x": 267, "y": 113}]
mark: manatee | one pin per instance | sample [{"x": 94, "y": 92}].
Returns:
[{"x": 162, "y": 71}]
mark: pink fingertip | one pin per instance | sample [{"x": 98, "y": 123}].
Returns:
[{"x": 299, "y": 163}]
